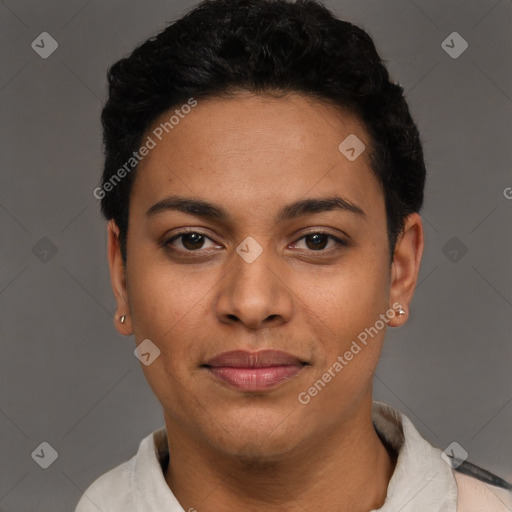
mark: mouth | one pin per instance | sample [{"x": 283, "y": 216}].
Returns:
[{"x": 254, "y": 371}]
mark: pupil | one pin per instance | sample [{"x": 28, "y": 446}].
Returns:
[
  {"x": 192, "y": 239},
  {"x": 318, "y": 238}
]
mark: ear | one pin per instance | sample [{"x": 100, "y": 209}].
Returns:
[
  {"x": 118, "y": 280},
  {"x": 405, "y": 267}
]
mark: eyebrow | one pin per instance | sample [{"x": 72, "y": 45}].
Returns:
[{"x": 201, "y": 208}]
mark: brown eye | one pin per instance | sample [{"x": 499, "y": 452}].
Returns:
[
  {"x": 318, "y": 241},
  {"x": 190, "y": 241}
]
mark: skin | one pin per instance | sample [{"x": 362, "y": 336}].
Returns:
[{"x": 252, "y": 155}]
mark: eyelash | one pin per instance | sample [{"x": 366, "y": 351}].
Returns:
[{"x": 166, "y": 243}]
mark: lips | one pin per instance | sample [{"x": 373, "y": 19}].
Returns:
[
  {"x": 261, "y": 359},
  {"x": 254, "y": 371}
]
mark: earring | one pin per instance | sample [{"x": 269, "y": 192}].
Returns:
[
  {"x": 401, "y": 311},
  {"x": 122, "y": 319}
]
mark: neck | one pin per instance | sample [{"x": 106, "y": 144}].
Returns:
[{"x": 345, "y": 470}]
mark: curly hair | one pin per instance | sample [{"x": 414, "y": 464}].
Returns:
[{"x": 264, "y": 47}]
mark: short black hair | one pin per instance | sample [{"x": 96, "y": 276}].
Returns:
[{"x": 265, "y": 47}]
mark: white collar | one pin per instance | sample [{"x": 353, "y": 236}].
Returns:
[{"x": 421, "y": 482}]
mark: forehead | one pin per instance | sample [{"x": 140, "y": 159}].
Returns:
[{"x": 255, "y": 150}]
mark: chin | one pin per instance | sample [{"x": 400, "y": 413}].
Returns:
[
  {"x": 255, "y": 440},
  {"x": 259, "y": 451}
]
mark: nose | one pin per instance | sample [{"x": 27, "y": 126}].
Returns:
[{"x": 255, "y": 294}]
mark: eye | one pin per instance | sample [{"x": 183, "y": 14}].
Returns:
[
  {"x": 193, "y": 241},
  {"x": 190, "y": 241},
  {"x": 317, "y": 241}
]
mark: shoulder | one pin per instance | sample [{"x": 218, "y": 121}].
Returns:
[
  {"x": 111, "y": 491},
  {"x": 476, "y": 495},
  {"x": 119, "y": 488}
]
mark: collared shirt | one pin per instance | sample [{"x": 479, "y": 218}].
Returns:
[{"x": 424, "y": 479}]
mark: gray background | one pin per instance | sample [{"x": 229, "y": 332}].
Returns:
[{"x": 68, "y": 378}]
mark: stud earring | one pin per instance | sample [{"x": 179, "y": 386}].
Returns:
[
  {"x": 122, "y": 319},
  {"x": 401, "y": 311}
]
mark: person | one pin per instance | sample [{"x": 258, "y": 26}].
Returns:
[{"x": 262, "y": 184}]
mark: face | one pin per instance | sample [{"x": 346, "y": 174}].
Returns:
[{"x": 292, "y": 257}]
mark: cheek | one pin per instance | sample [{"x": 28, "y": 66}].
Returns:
[
  {"x": 169, "y": 307},
  {"x": 344, "y": 310},
  {"x": 167, "y": 301},
  {"x": 349, "y": 298}
]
